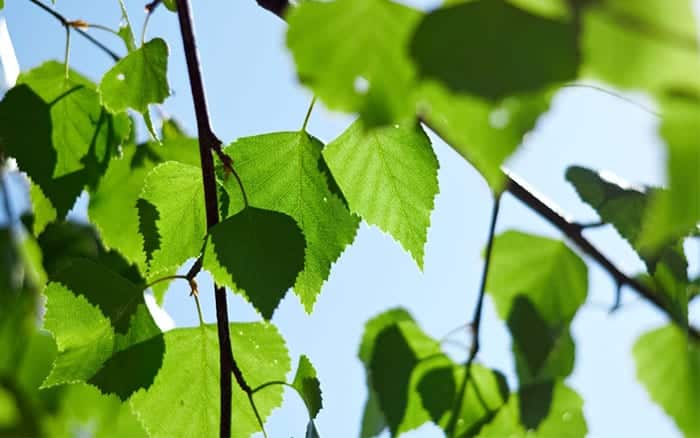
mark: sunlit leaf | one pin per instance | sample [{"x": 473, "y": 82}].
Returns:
[
  {"x": 389, "y": 177},
  {"x": 282, "y": 172}
]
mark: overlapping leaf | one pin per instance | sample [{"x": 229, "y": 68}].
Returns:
[
  {"x": 258, "y": 253},
  {"x": 460, "y": 46},
  {"x": 542, "y": 410},
  {"x": 483, "y": 132},
  {"x": 676, "y": 213},
  {"x": 626, "y": 208},
  {"x": 188, "y": 381},
  {"x": 283, "y": 172},
  {"x": 94, "y": 315},
  {"x": 174, "y": 192},
  {"x": 59, "y": 134},
  {"x": 537, "y": 285},
  {"x": 389, "y": 177},
  {"x": 626, "y": 43},
  {"x": 308, "y": 386},
  {"x": 369, "y": 73},
  {"x": 412, "y": 382},
  {"x": 113, "y": 204},
  {"x": 668, "y": 365}
]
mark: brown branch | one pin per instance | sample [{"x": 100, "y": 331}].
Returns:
[
  {"x": 72, "y": 23},
  {"x": 574, "y": 232},
  {"x": 277, "y": 7},
  {"x": 208, "y": 142}
]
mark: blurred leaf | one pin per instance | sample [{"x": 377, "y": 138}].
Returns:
[
  {"x": 676, "y": 212},
  {"x": 370, "y": 72},
  {"x": 192, "y": 397},
  {"x": 625, "y": 208},
  {"x": 542, "y": 410},
  {"x": 626, "y": 44},
  {"x": 389, "y": 177},
  {"x": 460, "y": 47},
  {"x": 668, "y": 365},
  {"x": 537, "y": 284},
  {"x": 485, "y": 133},
  {"x": 280, "y": 171},
  {"x": 258, "y": 253}
]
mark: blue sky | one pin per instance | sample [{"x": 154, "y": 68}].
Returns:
[{"x": 252, "y": 89}]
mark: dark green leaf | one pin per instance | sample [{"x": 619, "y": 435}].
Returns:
[
  {"x": 462, "y": 47},
  {"x": 258, "y": 253},
  {"x": 280, "y": 172}
]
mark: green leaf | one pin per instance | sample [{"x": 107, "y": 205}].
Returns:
[
  {"x": 370, "y": 72},
  {"x": 625, "y": 43},
  {"x": 175, "y": 192},
  {"x": 537, "y": 285},
  {"x": 113, "y": 207},
  {"x": 616, "y": 203},
  {"x": 307, "y": 385},
  {"x": 258, "y": 253},
  {"x": 282, "y": 172},
  {"x": 59, "y": 134},
  {"x": 439, "y": 384},
  {"x": 43, "y": 209},
  {"x": 77, "y": 118},
  {"x": 668, "y": 365},
  {"x": 539, "y": 269},
  {"x": 543, "y": 410},
  {"x": 483, "y": 132},
  {"x": 94, "y": 314},
  {"x": 389, "y": 177},
  {"x": 193, "y": 398},
  {"x": 411, "y": 382},
  {"x": 625, "y": 208},
  {"x": 83, "y": 409},
  {"x": 138, "y": 79},
  {"x": 460, "y": 47},
  {"x": 171, "y": 5},
  {"x": 676, "y": 213}
]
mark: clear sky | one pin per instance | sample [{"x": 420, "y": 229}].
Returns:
[{"x": 252, "y": 89}]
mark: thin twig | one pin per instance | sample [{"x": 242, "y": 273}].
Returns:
[
  {"x": 476, "y": 320},
  {"x": 208, "y": 142},
  {"x": 308, "y": 113},
  {"x": 66, "y": 23}
]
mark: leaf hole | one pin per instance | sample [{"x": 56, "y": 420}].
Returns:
[
  {"x": 361, "y": 85},
  {"x": 499, "y": 118}
]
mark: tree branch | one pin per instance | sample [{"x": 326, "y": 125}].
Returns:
[
  {"x": 574, "y": 233},
  {"x": 277, "y": 7},
  {"x": 208, "y": 142},
  {"x": 68, "y": 24}
]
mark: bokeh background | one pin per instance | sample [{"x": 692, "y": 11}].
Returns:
[{"x": 252, "y": 89}]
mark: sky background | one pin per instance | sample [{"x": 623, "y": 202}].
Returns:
[{"x": 252, "y": 89}]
